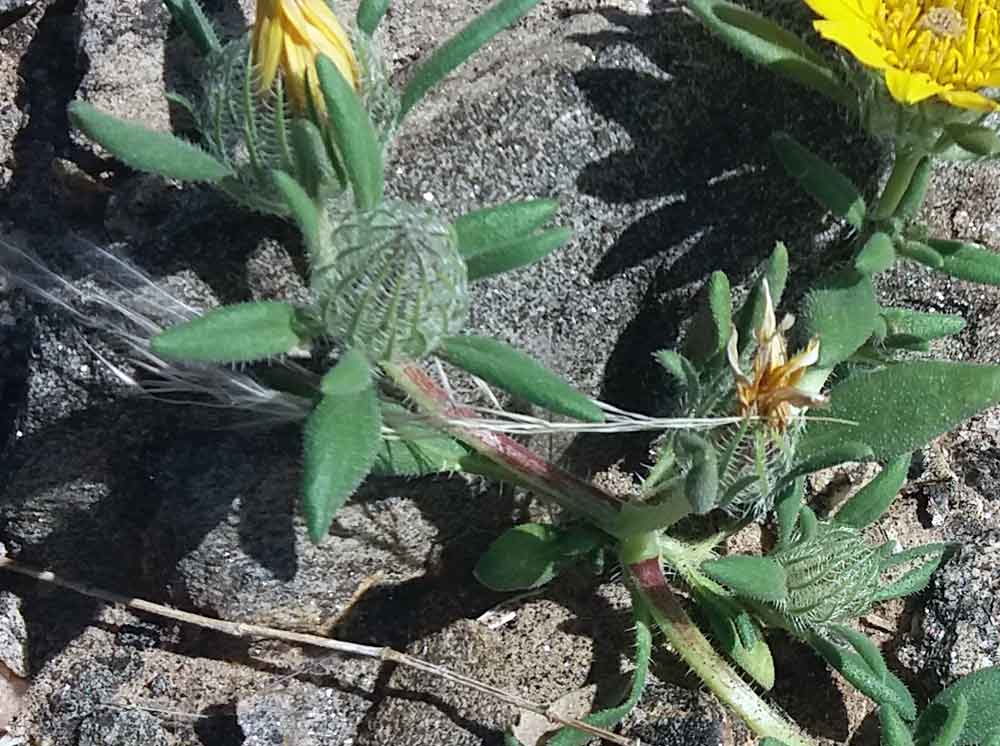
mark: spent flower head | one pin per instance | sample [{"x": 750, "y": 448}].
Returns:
[
  {"x": 948, "y": 49},
  {"x": 770, "y": 391},
  {"x": 288, "y": 35}
]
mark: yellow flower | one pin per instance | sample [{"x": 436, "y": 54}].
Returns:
[
  {"x": 944, "y": 48},
  {"x": 770, "y": 392},
  {"x": 288, "y": 34}
]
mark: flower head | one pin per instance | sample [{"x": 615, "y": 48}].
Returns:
[
  {"x": 926, "y": 48},
  {"x": 770, "y": 391},
  {"x": 289, "y": 34}
]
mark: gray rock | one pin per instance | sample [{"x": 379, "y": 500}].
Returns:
[
  {"x": 114, "y": 727},
  {"x": 13, "y": 635},
  {"x": 15, "y": 6},
  {"x": 301, "y": 714},
  {"x": 671, "y": 716}
]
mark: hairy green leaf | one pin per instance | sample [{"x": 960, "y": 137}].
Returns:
[
  {"x": 759, "y": 578},
  {"x": 516, "y": 253},
  {"x": 188, "y": 14},
  {"x": 981, "y": 691},
  {"x": 500, "y": 364},
  {"x": 967, "y": 261},
  {"x": 727, "y": 619},
  {"x": 460, "y": 47},
  {"x": 713, "y": 322},
  {"x": 824, "y": 183},
  {"x": 902, "y": 407},
  {"x": 341, "y": 438},
  {"x": 311, "y": 157},
  {"x": 681, "y": 370},
  {"x": 418, "y": 457},
  {"x": 240, "y": 333},
  {"x": 787, "y": 506},
  {"x": 522, "y": 557},
  {"x": 302, "y": 208},
  {"x": 872, "y": 500},
  {"x": 895, "y": 732},
  {"x": 916, "y": 579},
  {"x": 905, "y": 327},
  {"x": 701, "y": 484},
  {"x": 883, "y": 687},
  {"x": 841, "y": 311},
  {"x": 877, "y": 255},
  {"x": 353, "y": 134},
  {"x": 370, "y": 14},
  {"x": 751, "y": 312},
  {"x": 920, "y": 252},
  {"x": 975, "y": 138},
  {"x": 144, "y": 149},
  {"x": 770, "y": 45},
  {"x": 491, "y": 227},
  {"x": 913, "y": 197}
]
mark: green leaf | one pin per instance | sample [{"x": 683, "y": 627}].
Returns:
[
  {"x": 500, "y": 364},
  {"x": 905, "y": 327},
  {"x": 913, "y": 197},
  {"x": 460, "y": 47},
  {"x": 516, "y": 253},
  {"x": 902, "y": 407},
  {"x": 145, "y": 149},
  {"x": 491, "y": 227},
  {"x": 189, "y": 15},
  {"x": 981, "y": 691},
  {"x": 418, "y": 457},
  {"x": 759, "y": 578},
  {"x": 301, "y": 206},
  {"x": 832, "y": 453},
  {"x": 772, "y": 742},
  {"x": 808, "y": 524},
  {"x": 726, "y": 619},
  {"x": 612, "y": 716},
  {"x": 967, "y": 261},
  {"x": 701, "y": 484},
  {"x": 311, "y": 157},
  {"x": 894, "y": 731},
  {"x": 877, "y": 255},
  {"x": 824, "y": 183},
  {"x": 522, "y": 557},
  {"x": 920, "y": 252},
  {"x": 872, "y": 500},
  {"x": 883, "y": 687},
  {"x": 240, "y": 333},
  {"x": 842, "y": 312},
  {"x": 954, "y": 723},
  {"x": 865, "y": 648},
  {"x": 916, "y": 579},
  {"x": 975, "y": 138},
  {"x": 342, "y": 437},
  {"x": 751, "y": 313},
  {"x": 370, "y": 14},
  {"x": 770, "y": 45},
  {"x": 713, "y": 322},
  {"x": 787, "y": 507},
  {"x": 681, "y": 370},
  {"x": 353, "y": 134}
]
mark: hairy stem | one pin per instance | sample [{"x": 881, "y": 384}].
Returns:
[
  {"x": 529, "y": 468},
  {"x": 694, "y": 649}
]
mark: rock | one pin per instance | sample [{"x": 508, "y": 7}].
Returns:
[
  {"x": 671, "y": 716},
  {"x": 302, "y": 714},
  {"x": 15, "y": 6},
  {"x": 122, "y": 728},
  {"x": 13, "y": 635},
  {"x": 16, "y": 32}
]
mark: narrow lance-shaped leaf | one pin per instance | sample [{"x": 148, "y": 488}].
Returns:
[
  {"x": 903, "y": 407},
  {"x": 370, "y": 14},
  {"x": 460, "y": 47},
  {"x": 759, "y": 578},
  {"x": 916, "y": 579},
  {"x": 824, "y": 183},
  {"x": 975, "y": 138},
  {"x": 770, "y": 45},
  {"x": 787, "y": 507},
  {"x": 190, "y": 16},
  {"x": 701, "y": 484},
  {"x": 906, "y": 327},
  {"x": 872, "y": 500},
  {"x": 877, "y": 255},
  {"x": 913, "y": 197},
  {"x": 895, "y": 732},
  {"x": 352, "y": 132},
  {"x": 713, "y": 323},
  {"x": 516, "y": 253},
  {"x": 728, "y": 622},
  {"x": 342, "y": 437},
  {"x": 750, "y": 314},
  {"x": 500, "y": 364},
  {"x": 145, "y": 149},
  {"x": 240, "y": 333},
  {"x": 967, "y": 261},
  {"x": 485, "y": 229},
  {"x": 682, "y": 371},
  {"x": 920, "y": 252},
  {"x": 313, "y": 167},
  {"x": 981, "y": 691},
  {"x": 302, "y": 207},
  {"x": 418, "y": 450}
]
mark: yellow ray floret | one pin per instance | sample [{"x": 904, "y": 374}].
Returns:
[
  {"x": 288, "y": 35},
  {"x": 771, "y": 390},
  {"x": 926, "y": 48}
]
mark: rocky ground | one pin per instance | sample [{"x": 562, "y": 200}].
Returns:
[{"x": 656, "y": 143}]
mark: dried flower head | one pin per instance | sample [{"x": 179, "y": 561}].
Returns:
[
  {"x": 288, "y": 35},
  {"x": 925, "y": 48},
  {"x": 770, "y": 391}
]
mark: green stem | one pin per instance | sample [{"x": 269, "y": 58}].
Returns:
[
  {"x": 694, "y": 649},
  {"x": 903, "y": 166},
  {"x": 530, "y": 469}
]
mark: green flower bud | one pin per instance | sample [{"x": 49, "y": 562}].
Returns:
[{"x": 391, "y": 281}]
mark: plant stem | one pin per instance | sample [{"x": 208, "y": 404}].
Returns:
[
  {"x": 563, "y": 488},
  {"x": 905, "y": 163},
  {"x": 694, "y": 649}
]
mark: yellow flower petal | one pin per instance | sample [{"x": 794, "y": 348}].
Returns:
[
  {"x": 910, "y": 87},
  {"x": 970, "y": 100},
  {"x": 843, "y": 11},
  {"x": 855, "y": 40}
]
